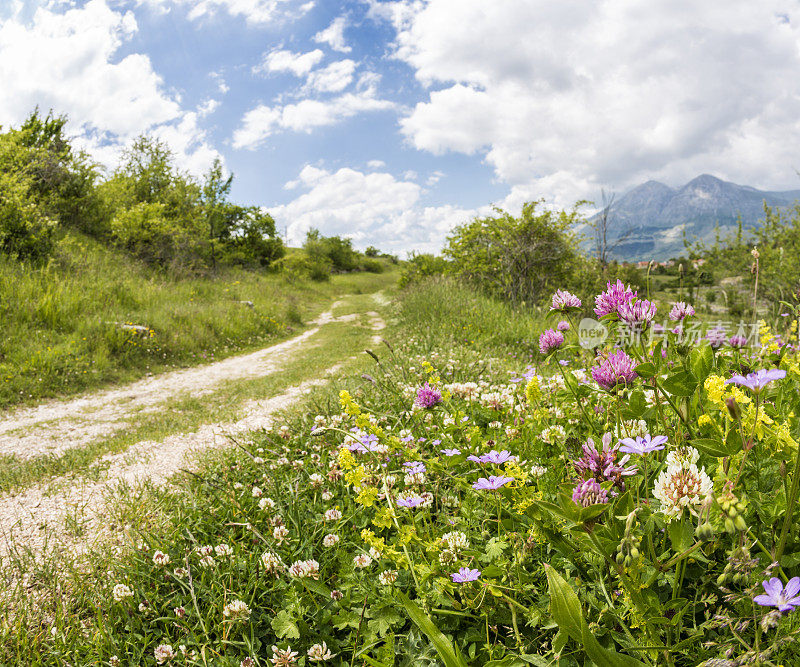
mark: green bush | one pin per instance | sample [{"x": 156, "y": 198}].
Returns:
[
  {"x": 421, "y": 266},
  {"x": 372, "y": 265},
  {"x": 25, "y": 232}
]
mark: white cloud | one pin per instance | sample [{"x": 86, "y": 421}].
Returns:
[
  {"x": 207, "y": 108},
  {"x": 298, "y": 64},
  {"x": 332, "y": 79},
  {"x": 376, "y": 164},
  {"x": 333, "y": 36},
  {"x": 563, "y": 98},
  {"x": 372, "y": 209},
  {"x": 304, "y": 116},
  {"x": 256, "y": 12},
  {"x": 67, "y": 61}
]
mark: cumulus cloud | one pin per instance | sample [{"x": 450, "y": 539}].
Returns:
[
  {"x": 257, "y": 12},
  {"x": 370, "y": 208},
  {"x": 332, "y": 79},
  {"x": 333, "y": 36},
  {"x": 304, "y": 116},
  {"x": 563, "y": 98},
  {"x": 67, "y": 61},
  {"x": 299, "y": 64}
]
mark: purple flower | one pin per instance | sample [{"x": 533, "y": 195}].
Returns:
[
  {"x": 680, "y": 311},
  {"x": 563, "y": 300},
  {"x": 451, "y": 452},
  {"x": 609, "y": 301},
  {"x": 603, "y": 465},
  {"x": 637, "y": 313},
  {"x": 563, "y": 325},
  {"x": 465, "y": 575},
  {"x": 785, "y": 599},
  {"x": 737, "y": 341},
  {"x": 589, "y": 493},
  {"x": 530, "y": 372},
  {"x": 643, "y": 445},
  {"x": 550, "y": 340},
  {"x": 716, "y": 337},
  {"x": 475, "y": 458},
  {"x": 492, "y": 484},
  {"x": 427, "y": 396},
  {"x": 497, "y": 457},
  {"x": 411, "y": 501},
  {"x": 414, "y": 467},
  {"x": 755, "y": 382},
  {"x": 616, "y": 369}
]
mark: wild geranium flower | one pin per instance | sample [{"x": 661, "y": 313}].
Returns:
[
  {"x": 785, "y": 599},
  {"x": 643, "y": 445},
  {"x": 589, "y": 493},
  {"x": 465, "y": 575},
  {"x": 427, "y": 396},
  {"x": 755, "y": 382},
  {"x": 563, "y": 301},
  {"x": 410, "y": 501},
  {"x": 550, "y": 340},
  {"x": 414, "y": 467},
  {"x": 614, "y": 370},
  {"x": 680, "y": 311},
  {"x": 492, "y": 484},
  {"x": 497, "y": 458},
  {"x": 681, "y": 485},
  {"x": 605, "y": 464},
  {"x": 451, "y": 452},
  {"x": 609, "y": 301},
  {"x": 638, "y": 313}
]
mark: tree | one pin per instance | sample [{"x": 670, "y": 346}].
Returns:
[
  {"x": 216, "y": 188},
  {"x": 601, "y": 228}
]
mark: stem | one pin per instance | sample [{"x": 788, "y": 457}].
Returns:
[
  {"x": 790, "y": 500},
  {"x": 514, "y": 623}
]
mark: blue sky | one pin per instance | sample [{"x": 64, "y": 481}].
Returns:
[{"x": 391, "y": 121}]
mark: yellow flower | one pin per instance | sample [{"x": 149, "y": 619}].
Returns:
[
  {"x": 345, "y": 458},
  {"x": 533, "y": 391},
  {"x": 715, "y": 386},
  {"x": 367, "y": 496},
  {"x": 705, "y": 420}
]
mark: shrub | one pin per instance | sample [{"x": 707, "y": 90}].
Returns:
[
  {"x": 25, "y": 232},
  {"x": 421, "y": 266},
  {"x": 372, "y": 265}
]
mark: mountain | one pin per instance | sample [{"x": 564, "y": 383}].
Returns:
[{"x": 650, "y": 220}]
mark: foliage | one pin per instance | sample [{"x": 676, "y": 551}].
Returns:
[
  {"x": 339, "y": 251},
  {"x": 25, "y": 232},
  {"x": 420, "y": 266}
]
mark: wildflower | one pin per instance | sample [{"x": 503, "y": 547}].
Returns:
[
  {"x": 602, "y": 465},
  {"x": 681, "y": 485},
  {"x": 207, "y": 562},
  {"x": 410, "y": 501},
  {"x": 180, "y": 572},
  {"x": 279, "y": 533},
  {"x": 609, "y": 301},
  {"x": 680, "y": 311},
  {"x": 553, "y": 434},
  {"x": 121, "y": 592},
  {"x": 236, "y": 610},
  {"x": 256, "y": 492},
  {"x": 682, "y": 456},
  {"x": 265, "y": 503},
  {"x": 114, "y": 661},
  {"x": 492, "y": 484},
  {"x": 316, "y": 480},
  {"x": 333, "y": 514},
  {"x": 387, "y": 577},
  {"x": 163, "y": 653},
  {"x": 451, "y": 452},
  {"x": 160, "y": 558},
  {"x": 455, "y": 540},
  {"x": 614, "y": 370},
  {"x": 550, "y": 340},
  {"x": 223, "y": 550},
  {"x": 785, "y": 599},
  {"x": 283, "y": 657},
  {"x": 716, "y": 337},
  {"x": 180, "y": 612},
  {"x": 330, "y": 540},
  {"x": 271, "y": 562},
  {"x": 638, "y": 313},
  {"x": 564, "y": 301},
  {"x": 465, "y": 575},
  {"x": 247, "y": 662},
  {"x": 427, "y": 397},
  {"x": 737, "y": 341},
  {"x": 304, "y": 569},
  {"x": 320, "y": 652},
  {"x": 538, "y": 471},
  {"x": 497, "y": 458},
  {"x": 336, "y": 595},
  {"x": 327, "y": 495},
  {"x": 589, "y": 493},
  {"x": 643, "y": 445},
  {"x": 362, "y": 560},
  {"x": 414, "y": 467},
  {"x": 755, "y": 382}
]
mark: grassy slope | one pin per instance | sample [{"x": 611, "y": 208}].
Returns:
[{"x": 60, "y": 323}]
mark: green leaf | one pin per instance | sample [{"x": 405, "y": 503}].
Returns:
[
  {"x": 384, "y": 619},
  {"x": 646, "y": 370},
  {"x": 701, "y": 361},
  {"x": 712, "y": 447},
  {"x": 680, "y": 384},
  {"x": 284, "y": 626},
  {"x": 444, "y": 647},
  {"x": 566, "y": 611},
  {"x": 681, "y": 534},
  {"x": 636, "y": 404}
]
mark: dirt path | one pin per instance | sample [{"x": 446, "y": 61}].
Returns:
[{"x": 34, "y": 519}]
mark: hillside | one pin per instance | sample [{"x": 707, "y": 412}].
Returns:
[{"x": 652, "y": 218}]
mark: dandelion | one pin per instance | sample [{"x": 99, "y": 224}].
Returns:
[
  {"x": 465, "y": 575},
  {"x": 550, "y": 340},
  {"x": 387, "y": 577},
  {"x": 492, "y": 484},
  {"x": 121, "y": 592},
  {"x": 283, "y": 657},
  {"x": 160, "y": 559},
  {"x": 320, "y": 653},
  {"x": 362, "y": 560},
  {"x": 236, "y": 610},
  {"x": 589, "y": 493},
  {"x": 427, "y": 397},
  {"x": 614, "y": 370},
  {"x": 330, "y": 540},
  {"x": 785, "y": 599},
  {"x": 163, "y": 653}
]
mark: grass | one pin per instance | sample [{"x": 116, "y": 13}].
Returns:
[{"x": 63, "y": 323}]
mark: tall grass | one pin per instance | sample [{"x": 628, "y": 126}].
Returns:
[{"x": 66, "y": 325}]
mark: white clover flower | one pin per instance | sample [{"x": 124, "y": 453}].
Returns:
[
  {"x": 554, "y": 434},
  {"x": 256, "y": 492},
  {"x": 223, "y": 550},
  {"x": 330, "y": 540},
  {"x": 163, "y": 653},
  {"x": 283, "y": 657},
  {"x": 682, "y": 456},
  {"x": 316, "y": 479},
  {"x": 180, "y": 612},
  {"x": 265, "y": 503},
  {"x": 333, "y": 514},
  {"x": 455, "y": 541},
  {"x": 271, "y": 562},
  {"x": 206, "y": 550},
  {"x": 207, "y": 562},
  {"x": 279, "y": 533},
  {"x": 416, "y": 478},
  {"x": 180, "y": 572},
  {"x": 374, "y": 553},
  {"x": 681, "y": 486},
  {"x": 160, "y": 558},
  {"x": 114, "y": 661},
  {"x": 362, "y": 560},
  {"x": 304, "y": 569},
  {"x": 387, "y": 577},
  {"x": 327, "y": 495},
  {"x": 121, "y": 592},
  {"x": 238, "y": 486},
  {"x": 236, "y": 610},
  {"x": 320, "y": 653}
]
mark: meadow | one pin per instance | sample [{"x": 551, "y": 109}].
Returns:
[{"x": 479, "y": 490}]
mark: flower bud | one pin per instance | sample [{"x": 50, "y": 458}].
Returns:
[
  {"x": 704, "y": 532},
  {"x": 733, "y": 408}
]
